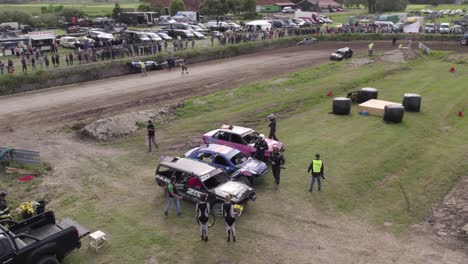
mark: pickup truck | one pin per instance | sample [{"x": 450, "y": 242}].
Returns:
[{"x": 39, "y": 240}]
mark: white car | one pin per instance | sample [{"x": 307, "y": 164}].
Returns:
[
  {"x": 233, "y": 26},
  {"x": 68, "y": 42},
  {"x": 153, "y": 36},
  {"x": 430, "y": 28},
  {"x": 287, "y": 10},
  {"x": 164, "y": 36},
  {"x": 197, "y": 34},
  {"x": 444, "y": 28}
]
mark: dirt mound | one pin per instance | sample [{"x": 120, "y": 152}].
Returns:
[
  {"x": 126, "y": 124},
  {"x": 457, "y": 58},
  {"x": 450, "y": 219},
  {"x": 399, "y": 55},
  {"x": 360, "y": 62}
]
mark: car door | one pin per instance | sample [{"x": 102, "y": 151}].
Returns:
[
  {"x": 221, "y": 162},
  {"x": 238, "y": 143}
]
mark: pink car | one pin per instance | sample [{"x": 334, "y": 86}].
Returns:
[{"x": 241, "y": 138}]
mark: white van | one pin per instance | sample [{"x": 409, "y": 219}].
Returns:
[
  {"x": 68, "y": 42},
  {"x": 444, "y": 28},
  {"x": 388, "y": 26}
]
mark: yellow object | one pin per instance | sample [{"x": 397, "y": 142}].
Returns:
[
  {"x": 238, "y": 208},
  {"x": 316, "y": 166},
  {"x": 26, "y": 207}
]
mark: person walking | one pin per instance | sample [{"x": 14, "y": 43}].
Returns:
[
  {"x": 4, "y": 209},
  {"x": 316, "y": 166},
  {"x": 151, "y": 135},
  {"x": 260, "y": 147},
  {"x": 272, "y": 126},
  {"x": 277, "y": 162},
  {"x": 203, "y": 210},
  {"x": 371, "y": 48},
  {"x": 183, "y": 67},
  {"x": 25, "y": 66},
  {"x": 230, "y": 219},
  {"x": 172, "y": 197}
]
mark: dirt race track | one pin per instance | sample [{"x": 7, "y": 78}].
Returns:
[
  {"x": 79, "y": 102},
  {"x": 35, "y": 121}
]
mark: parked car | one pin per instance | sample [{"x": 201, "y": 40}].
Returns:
[
  {"x": 197, "y": 34},
  {"x": 235, "y": 163},
  {"x": 39, "y": 240},
  {"x": 164, "y": 36},
  {"x": 444, "y": 28},
  {"x": 68, "y": 42},
  {"x": 341, "y": 54},
  {"x": 457, "y": 29},
  {"x": 241, "y": 138},
  {"x": 288, "y": 10},
  {"x": 194, "y": 178},
  {"x": 464, "y": 41},
  {"x": 153, "y": 36},
  {"x": 430, "y": 28}
]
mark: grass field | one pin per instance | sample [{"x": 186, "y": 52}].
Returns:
[
  {"x": 92, "y": 10},
  {"x": 375, "y": 172}
]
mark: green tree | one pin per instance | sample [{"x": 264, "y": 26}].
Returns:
[
  {"x": 70, "y": 12},
  {"x": 144, "y": 8},
  {"x": 233, "y": 6},
  {"x": 116, "y": 11},
  {"x": 176, "y": 6},
  {"x": 248, "y": 6},
  {"x": 212, "y": 8}
]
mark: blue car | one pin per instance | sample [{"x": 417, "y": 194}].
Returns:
[{"x": 241, "y": 167}]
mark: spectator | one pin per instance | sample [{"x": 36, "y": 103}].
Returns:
[
  {"x": 70, "y": 57},
  {"x": 2, "y": 66},
  {"x": 33, "y": 63},
  {"x": 23, "y": 63},
  {"x": 46, "y": 61},
  {"x": 57, "y": 59}
]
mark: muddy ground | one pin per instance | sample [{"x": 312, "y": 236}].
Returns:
[{"x": 40, "y": 121}]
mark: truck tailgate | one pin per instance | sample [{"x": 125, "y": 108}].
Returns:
[{"x": 67, "y": 222}]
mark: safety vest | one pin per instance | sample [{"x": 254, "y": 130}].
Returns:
[
  {"x": 316, "y": 166},
  {"x": 371, "y": 46}
]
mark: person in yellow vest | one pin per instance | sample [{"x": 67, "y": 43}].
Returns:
[
  {"x": 371, "y": 48},
  {"x": 316, "y": 166},
  {"x": 143, "y": 68}
]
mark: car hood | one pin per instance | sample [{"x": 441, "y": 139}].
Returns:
[
  {"x": 237, "y": 190},
  {"x": 336, "y": 55},
  {"x": 253, "y": 166}
]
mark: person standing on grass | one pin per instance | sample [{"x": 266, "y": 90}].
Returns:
[
  {"x": 11, "y": 66},
  {"x": 143, "y": 69},
  {"x": 272, "y": 126},
  {"x": 52, "y": 58},
  {"x": 172, "y": 197},
  {"x": 67, "y": 60},
  {"x": 394, "y": 41},
  {"x": 70, "y": 57},
  {"x": 193, "y": 43},
  {"x": 151, "y": 135},
  {"x": 277, "y": 161},
  {"x": 2, "y": 66},
  {"x": 202, "y": 210},
  {"x": 57, "y": 59},
  {"x": 33, "y": 63},
  {"x": 229, "y": 218},
  {"x": 46, "y": 61},
  {"x": 316, "y": 166},
  {"x": 260, "y": 147},
  {"x": 25, "y": 66}
]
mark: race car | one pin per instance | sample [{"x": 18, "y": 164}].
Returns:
[
  {"x": 307, "y": 41},
  {"x": 241, "y": 138},
  {"x": 235, "y": 163},
  {"x": 343, "y": 53},
  {"x": 195, "y": 178}
]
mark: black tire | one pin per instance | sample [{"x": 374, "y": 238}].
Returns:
[
  {"x": 393, "y": 113},
  {"x": 412, "y": 102},
  {"x": 464, "y": 41},
  {"x": 48, "y": 260},
  {"x": 341, "y": 106},
  {"x": 211, "y": 220},
  {"x": 245, "y": 180},
  {"x": 217, "y": 209}
]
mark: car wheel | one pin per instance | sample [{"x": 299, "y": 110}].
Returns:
[
  {"x": 217, "y": 209},
  {"x": 464, "y": 42},
  {"x": 48, "y": 260}
]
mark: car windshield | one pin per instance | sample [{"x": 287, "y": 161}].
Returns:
[
  {"x": 239, "y": 158},
  {"x": 251, "y": 137},
  {"x": 444, "y": 26},
  {"x": 430, "y": 26},
  {"x": 216, "y": 180}
]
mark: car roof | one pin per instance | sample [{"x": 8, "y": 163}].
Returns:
[
  {"x": 344, "y": 49},
  {"x": 236, "y": 129},
  {"x": 187, "y": 165},
  {"x": 225, "y": 150}
]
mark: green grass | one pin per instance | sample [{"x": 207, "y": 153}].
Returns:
[
  {"x": 375, "y": 172},
  {"x": 439, "y": 7},
  {"x": 91, "y": 9}
]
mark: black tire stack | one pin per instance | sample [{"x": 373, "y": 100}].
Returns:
[
  {"x": 393, "y": 113},
  {"x": 367, "y": 94},
  {"x": 341, "y": 106},
  {"x": 412, "y": 102}
]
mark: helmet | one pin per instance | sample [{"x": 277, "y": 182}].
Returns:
[
  {"x": 3, "y": 194},
  {"x": 271, "y": 116},
  {"x": 262, "y": 136}
]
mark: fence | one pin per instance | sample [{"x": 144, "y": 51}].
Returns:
[{"x": 20, "y": 156}]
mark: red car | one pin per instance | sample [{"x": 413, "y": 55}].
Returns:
[{"x": 241, "y": 138}]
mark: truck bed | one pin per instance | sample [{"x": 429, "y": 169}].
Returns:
[{"x": 41, "y": 233}]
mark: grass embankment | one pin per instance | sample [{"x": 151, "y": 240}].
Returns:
[
  {"x": 91, "y": 9},
  {"x": 375, "y": 172}
]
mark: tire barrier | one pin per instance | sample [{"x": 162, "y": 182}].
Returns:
[
  {"x": 341, "y": 106},
  {"x": 393, "y": 113},
  {"x": 412, "y": 102},
  {"x": 367, "y": 94}
]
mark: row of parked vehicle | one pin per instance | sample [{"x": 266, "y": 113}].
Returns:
[
  {"x": 222, "y": 165},
  {"x": 443, "y": 28},
  {"x": 446, "y": 12}
]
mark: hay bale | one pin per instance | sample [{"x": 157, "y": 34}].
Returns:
[
  {"x": 341, "y": 106},
  {"x": 393, "y": 113},
  {"x": 367, "y": 94},
  {"x": 412, "y": 102}
]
